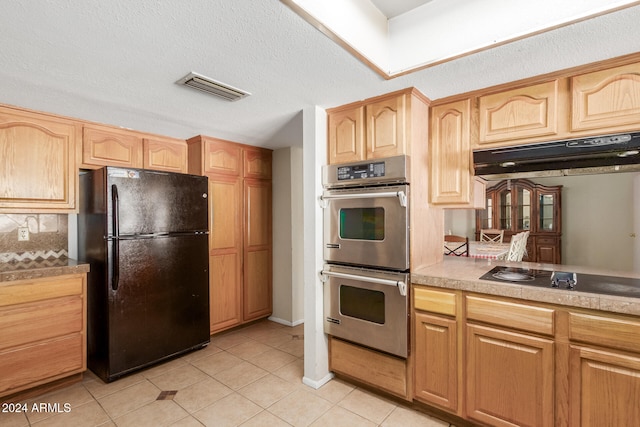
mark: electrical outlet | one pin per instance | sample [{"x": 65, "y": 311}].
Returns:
[{"x": 23, "y": 234}]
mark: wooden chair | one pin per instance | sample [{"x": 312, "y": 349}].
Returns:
[
  {"x": 518, "y": 246},
  {"x": 456, "y": 245},
  {"x": 491, "y": 235}
]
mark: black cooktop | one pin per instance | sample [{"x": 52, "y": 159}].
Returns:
[{"x": 578, "y": 282}]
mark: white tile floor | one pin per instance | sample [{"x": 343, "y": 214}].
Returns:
[{"x": 249, "y": 377}]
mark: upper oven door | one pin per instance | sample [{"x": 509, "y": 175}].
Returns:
[{"x": 367, "y": 226}]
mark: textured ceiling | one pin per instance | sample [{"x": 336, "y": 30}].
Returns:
[{"x": 116, "y": 62}]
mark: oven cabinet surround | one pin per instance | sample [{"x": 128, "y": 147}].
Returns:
[
  {"x": 450, "y": 164},
  {"x": 390, "y": 125},
  {"x": 43, "y": 337},
  {"x": 375, "y": 128},
  {"x": 381, "y": 371},
  {"x": 594, "y": 99},
  {"x": 40, "y": 172},
  {"x": 523, "y": 362},
  {"x": 240, "y": 233},
  {"x": 519, "y": 205},
  {"x": 111, "y": 146}
]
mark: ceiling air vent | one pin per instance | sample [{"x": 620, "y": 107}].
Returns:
[{"x": 205, "y": 84}]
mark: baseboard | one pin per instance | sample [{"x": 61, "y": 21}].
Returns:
[
  {"x": 286, "y": 322},
  {"x": 317, "y": 384}
]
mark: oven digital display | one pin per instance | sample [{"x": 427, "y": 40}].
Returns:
[{"x": 370, "y": 170}]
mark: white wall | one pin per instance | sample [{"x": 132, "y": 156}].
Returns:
[{"x": 288, "y": 303}]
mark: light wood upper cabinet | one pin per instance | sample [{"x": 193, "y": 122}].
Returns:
[
  {"x": 607, "y": 100},
  {"x": 214, "y": 156},
  {"x": 386, "y": 127},
  {"x": 526, "y": 112},
  {"x": 105, "y": 146},
  {"x": 450, "y": 155},
  {"x": 165, "y": 154},
  {"x": 40, "y": 171},
  {"x": 379, "y": 127},
  {"x": 346, "y": 135},
  {"x": 257, "y": 163}
]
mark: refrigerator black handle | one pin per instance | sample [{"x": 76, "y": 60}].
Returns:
[{"x": 115, "y": 277}]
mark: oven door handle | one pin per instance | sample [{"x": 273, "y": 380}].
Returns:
[
  {"x": 402, "y": 286},
  {"x": 402, "y": 197}
]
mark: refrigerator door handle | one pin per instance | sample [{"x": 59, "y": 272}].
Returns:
[{"x": 115, "y": 277}]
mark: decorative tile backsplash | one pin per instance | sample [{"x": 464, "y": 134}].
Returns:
[{"x": 48, "y": 237}]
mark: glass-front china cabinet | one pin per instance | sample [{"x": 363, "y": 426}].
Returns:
[{"x": 517, "y": 205}]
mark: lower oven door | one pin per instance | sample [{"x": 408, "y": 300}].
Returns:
[
  {"x": 368, "y": 307},
  {"x": 367, "y": 226}
]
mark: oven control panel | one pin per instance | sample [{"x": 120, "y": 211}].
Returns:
[
  {"x": 389, "y": 170},
  {"x": 362, "y": 171}
]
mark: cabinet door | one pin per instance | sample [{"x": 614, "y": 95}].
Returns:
[
  {"x": 547, "y": 250},
  {"x": 607, "y": 100},
  {"x": 386, "y": 127},
  {"x": 257, "y": 163},
  {"x": 222, "y": 157},
  {"x": 257, "y": 249},
  {"x": 509, "y": 378},
  {"x": 436, "y": 361},
  {"x": 450, "y": 154},
  {"x": 520, "y": 113},
  {"x": 39, "y": 158},
  {"x": 346, "y": 135},
  {"x": 604, "y": 388},
  {"x": 102, "y": 146},
  {"x": 225, "y": 250},
  {"x": 170, "y": 156}
]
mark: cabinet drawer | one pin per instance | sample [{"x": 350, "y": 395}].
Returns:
[
  {"x": 433, "y": 301},
  {"x": 26, "y": 323},
  {"x": 509, "y": 314},
  {"x": 24, "y": 291},
  {"x": 605, "y": 331},
  {"x": 29, "y": 366},
  {"x": 545, "y": 240}
]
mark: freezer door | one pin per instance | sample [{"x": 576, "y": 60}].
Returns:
[
  {"x": 148, "y": 202},
  {"x": 159, "y": 305}
]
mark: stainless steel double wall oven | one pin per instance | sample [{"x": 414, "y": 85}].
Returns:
[{"x": 366, "y": 250}]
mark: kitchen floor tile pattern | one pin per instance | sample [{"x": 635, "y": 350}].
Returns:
[{"x": 247, "y": 377}]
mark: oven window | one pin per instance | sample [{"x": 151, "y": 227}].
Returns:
[
  {"x": 360, "y": 303},
  {"x": 362, "y": 223}
]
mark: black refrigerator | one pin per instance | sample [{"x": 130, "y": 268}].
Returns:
[{"x": 145, "y": 235}]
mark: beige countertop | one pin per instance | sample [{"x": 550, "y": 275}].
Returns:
[
  {"x": 464, "y": 273},
  {"x": 25, "y": 270}
]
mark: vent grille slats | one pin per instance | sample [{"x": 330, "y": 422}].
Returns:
[{"x": 212, "y": 87}]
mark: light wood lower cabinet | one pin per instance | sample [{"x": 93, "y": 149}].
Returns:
[
  {"x": 604, "y": 388},
  {"x": 509, "y": 377},
  {"x": 43, "y": 331},
  {"x": 436, "y": 360},
  {"x": 519, "y": 363}
]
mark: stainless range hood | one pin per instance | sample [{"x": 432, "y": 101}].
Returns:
[{"x": 608, "y": 151}]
